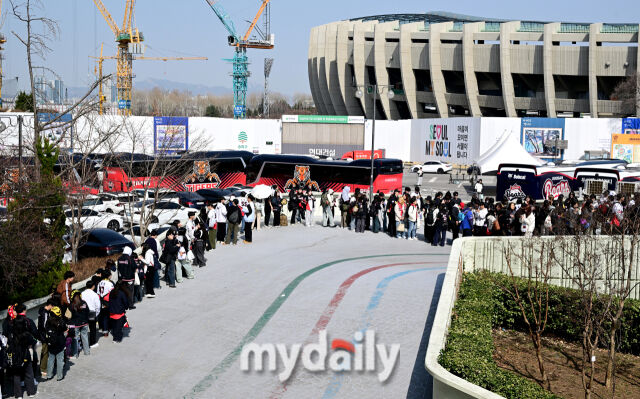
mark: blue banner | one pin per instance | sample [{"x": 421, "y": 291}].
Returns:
[
  {"x": 170, "y": 134},
  {"x": 538, "y": 136},
  {"x": 631, "y": 126}
]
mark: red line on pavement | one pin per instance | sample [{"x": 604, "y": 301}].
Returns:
[{"x": 328, "y": 312}]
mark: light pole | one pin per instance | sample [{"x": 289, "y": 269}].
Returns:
[
  {"x": 373, "y": 88},
  {"x": 3, "y": 127}
]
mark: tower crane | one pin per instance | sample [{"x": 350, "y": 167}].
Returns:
[
  {"x": 240, "y": 60},
  {"x": 100, "y": 61}
]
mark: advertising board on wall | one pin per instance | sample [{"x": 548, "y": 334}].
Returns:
[
  {"x": 538, "y": 136},
  {"x": 631, "y": 126},
  {"x": 452, "y": 140},
  {"x": 170, "y": 134},
  {"x": 625, "y": 147}
]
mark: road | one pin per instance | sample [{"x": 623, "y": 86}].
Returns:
[
  {"x": 291, "y": 283},
  {"x": 432, "y": 183}
]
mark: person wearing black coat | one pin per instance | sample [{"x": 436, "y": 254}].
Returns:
[
  {"x": 276, "y": 205},
  {"x": 126, "y": 272},
  {"x": 118, "y": 305},
  {"x": 55, "y": 337},
  {"x": 22, "y": 335},
  {"x": 169, "y": 256},
  {"x": 43, "y": 317}
]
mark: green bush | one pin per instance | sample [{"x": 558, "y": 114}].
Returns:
[
  {"x": 469, "y": 350},
  {"x": 564, "y": 320}
]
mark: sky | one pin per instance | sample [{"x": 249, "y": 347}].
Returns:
[{"x": 190, "y": 28}]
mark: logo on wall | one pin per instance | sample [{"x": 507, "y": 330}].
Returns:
[
  {"x": 243, "y": 138},
  {"x": 514, "y": 192},
  {"x": 438, "y": 144},
  {"x": 555, "y": 190},
  {"x": 302, "y": 179},
  {"x": 202, "y": 176}
]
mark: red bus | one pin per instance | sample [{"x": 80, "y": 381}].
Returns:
[
  {"x": 189, "y": 172},
  {"x": 366, "y": 154},
  {"x": 288, "y": 171}
]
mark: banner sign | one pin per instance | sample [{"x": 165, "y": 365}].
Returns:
[
  {"x": 538, "y": 136},
  {"x": 170, "y": 134},
  {"x": 626, "y": 147},
  {"x": 335, "y": 119},
  {"x": 452, "y": 140},
  {"x": 631, "y": 126}
]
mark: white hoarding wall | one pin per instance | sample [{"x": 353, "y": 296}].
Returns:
[
  {"x": 585, "y": 134},
  {"x": 392, "y": 136},
  {"x": 492, "y": 129},
  {"x": 253, "y": 135},
  {"x": 453, "y": 140}
]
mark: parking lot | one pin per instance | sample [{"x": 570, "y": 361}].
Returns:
[{"x": 286, "y": 287}]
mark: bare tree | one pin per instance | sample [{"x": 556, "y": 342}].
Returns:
[
  {"x": 531, "y": 260},
  {"x": 628, "y": 92}
]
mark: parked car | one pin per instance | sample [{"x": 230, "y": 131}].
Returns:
[
  {"x": 164, "y": 212},
  {"x": 163, "y": 194},
  {"x": 215, "y": 195},
  {"x": 100, "y": 204},
  {"x": 433, "y": 167},
  {"x": 136, "y": 231},
  {"x": 90, "y": 219},
  {"x": 191, "y": 200},
  {"x": 102, "y": 242}
]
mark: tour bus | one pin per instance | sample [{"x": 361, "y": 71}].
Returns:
[
  {"x": 364, "y": 154},
  {"x": 293, "y": 171},
  {"x": 540, "y": 182},
  {"x": 186, "y": 172}
]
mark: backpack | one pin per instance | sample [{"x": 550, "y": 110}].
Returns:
[
  {"x": 430, "y": 218},
  {"x": 460, "y": 216},
  {"x": 234, "y": 216},
  {"x": 16, "y": 353}
]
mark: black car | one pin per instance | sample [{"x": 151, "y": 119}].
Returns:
[
  {"x": 214, "y": 195},
  {"x": 103, "y": 242},
  {"x": 191, "y": 200}
]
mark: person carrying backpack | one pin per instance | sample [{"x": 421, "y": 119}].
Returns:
[
  {"x": 430, "y": 213},
  {"x": 21, "y": 355},
  {"x": 55, "y": 338},
  {"x": 127, "y": 272},
  {"x": 233, "y": 222},
  {"x": 467, "y": 222}
]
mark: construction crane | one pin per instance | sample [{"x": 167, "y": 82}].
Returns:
[
  {"x": 240, "y": 61},
  {"x": 100, "y": 61},
  {"x": 129, "y": 41}
]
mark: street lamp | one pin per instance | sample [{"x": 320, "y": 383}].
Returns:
[
  {"x": 376, "y": 90},
  {"x": 3, "y": 127}
]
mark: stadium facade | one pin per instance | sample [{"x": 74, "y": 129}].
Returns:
[{"x": 445, "y": 65}]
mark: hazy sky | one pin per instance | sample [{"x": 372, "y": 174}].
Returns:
[{"x": 190, "y": 28}]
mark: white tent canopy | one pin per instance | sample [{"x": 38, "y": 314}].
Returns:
[{"x": 506, "y": 150}]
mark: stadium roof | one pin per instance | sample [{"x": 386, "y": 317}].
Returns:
[{"x": 430, "y": 17}]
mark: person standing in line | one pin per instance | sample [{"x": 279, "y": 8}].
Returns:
[
  {"x": 43, "y": 316},
  {"x": 268, "y": 207},
  {"x": 183, "y": 262},
  {"x": 56, "y": 332},
  {"x": 399, "y": 214},
  {"x": 126, "y": 273},
  {"x": 276, "y": 206},
  {"x": 169, "y": 255},
  {"x": 249, "y": 217},
  {"x": 105, "y": 286},
  {"x": 221, "y": 219},
  {"x": 467, "y": 222},
  {"x": 80, "y": 322},
  {"x": 454, "y": 219},
  {"x": 22, "y": 335},
  {"x": 480, "y": 220},
  {"x": 234, "y": 218},
  {"x": 344, "y": 206},
  {"x": 118, "y": 305},
  {"x": 154, "y": 245},
  {"x": 198, "y": 246},
  {"x": 441, "y": 217},
  {"x": 64, "y": 290},
  {"x": 190, "y": 229},
  {"x": 149, "y": 259},
  {"x": 93, "y": 302},
  {"x": 309, "y": 203},
  {"x": 412, "y": 218},
  {"x": 213, "y": 226},
  {"x": 420, "y": 174},
  {"x": 478, "y": 188},
  {"x": 259, "y": 204}
]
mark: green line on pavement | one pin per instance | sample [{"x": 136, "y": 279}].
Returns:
[{"x": 221, "y": 367}]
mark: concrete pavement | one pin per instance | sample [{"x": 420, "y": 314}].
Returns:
[{"x": 285, "y": 287}]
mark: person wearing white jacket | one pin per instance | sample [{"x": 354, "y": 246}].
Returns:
[
  {"x": 221, "y": 218},
  {"x": 412, "y": 216}
]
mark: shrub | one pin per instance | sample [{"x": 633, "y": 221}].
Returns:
[{"x": 469, "y": 350}]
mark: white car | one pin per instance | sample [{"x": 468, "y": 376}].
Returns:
[
  {"x": 433, "y": 167},
  {"x": 90, "y": 219},
  {"x": 102, "y": 204},
  {"x": 165, "y": 212}
]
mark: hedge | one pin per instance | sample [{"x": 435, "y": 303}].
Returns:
[
  {"x": 469, "y": 350},
  {"x": 564, "y": 320}
]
